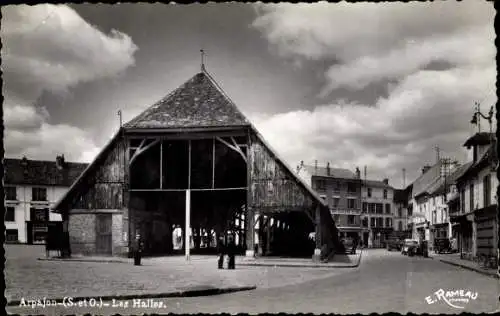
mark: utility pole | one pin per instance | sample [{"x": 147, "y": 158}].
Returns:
[
  {"x": 437, "y": 154},
  {"x": 120, "y": 117},
  {"x": 404, "y": 178},
  {"x": 202, "y": 53}
]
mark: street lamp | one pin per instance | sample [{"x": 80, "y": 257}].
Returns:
[{"x": 476, "y": 117}]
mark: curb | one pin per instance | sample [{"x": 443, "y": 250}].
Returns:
[
  {"x": 187, "y": 293},
  {"x": 287, "y": 265},
  {"x": 85, "y": 260},
  {"x": 493, "y": 275}
]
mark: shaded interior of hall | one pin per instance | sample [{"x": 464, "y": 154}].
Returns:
[{"x": 216, "y": 175}]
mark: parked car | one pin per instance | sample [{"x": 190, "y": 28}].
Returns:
[
  {"x": 394, "y": 243},
  {"x": 348, "y": 244},
  {"x": 409, "y": 247}
]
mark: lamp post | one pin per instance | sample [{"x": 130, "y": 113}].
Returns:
[{"x": 476, "y": 117}]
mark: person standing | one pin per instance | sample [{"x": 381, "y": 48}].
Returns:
[
  {"x": 221, "y": 251},
  {"x": 231, "y": 252}
]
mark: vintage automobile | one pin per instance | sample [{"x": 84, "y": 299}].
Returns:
[
  {"x": 394, "y": 243},
  {"x": 409, "y": 247}
]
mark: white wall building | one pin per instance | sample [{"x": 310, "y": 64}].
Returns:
[{"x": 31, "y": 188}]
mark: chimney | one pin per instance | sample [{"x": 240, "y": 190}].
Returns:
[
  {"x": 24, "y": 164},
  {"x": 358, "y": 173},
  {"x": 365, "y": 172},
  {"x": 60, "y": 162},
  {"x": 315, "y": 167},
  {"x": 327, "y": 168},
  {"x": 386, "y": 181},
  {"x": 425, "y": 169}
]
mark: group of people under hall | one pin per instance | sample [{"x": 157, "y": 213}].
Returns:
[{"x": 229, "y": 250}]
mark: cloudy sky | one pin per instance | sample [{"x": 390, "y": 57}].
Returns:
[{"x": 354, "y": 84}]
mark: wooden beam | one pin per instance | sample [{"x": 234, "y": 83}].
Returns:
[
  {"x": 213, "y": 163},
  {"x": 161, "y": 164},
  {"x": 233, "y": 147},
  {"x": 142, "y": 150},
  {"x": 189, "y": 164}
]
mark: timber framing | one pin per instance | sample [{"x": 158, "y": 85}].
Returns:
[{"x": 207, "y": 152}]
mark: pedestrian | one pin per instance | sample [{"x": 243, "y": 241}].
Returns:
[
  {"x": 221, "y": 251},
  {"x": 231, "y": 252},
  {"x": 355, "y": 244},
  {"x": 137, "y": 249}
]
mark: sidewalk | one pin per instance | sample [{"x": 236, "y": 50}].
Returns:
[
  {"x": 339, "y": 261},
  {"x": 157, "y": 277},
  {"x": 454, "y": 259}
]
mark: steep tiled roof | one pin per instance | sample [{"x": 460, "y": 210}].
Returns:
[
  {"x": 422, "y": 183},
  {"x": 197, "y": 103},
  {"x": 451, "y": 179},
  {"x": 39, "y": 172},
  {"x": 338, "y": 173}
]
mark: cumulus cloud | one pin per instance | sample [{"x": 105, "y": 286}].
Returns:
[
  {"x": 51, "y": 48},
  {"x": 397, "y": 43}
]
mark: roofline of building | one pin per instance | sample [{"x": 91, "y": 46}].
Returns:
[{"x": 57, "y": 205}]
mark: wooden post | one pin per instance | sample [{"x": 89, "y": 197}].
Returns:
[
  {"x": 250, "y": 212},
  {"x": 161, "y": 164},
  {"x": 213, "y": 163},
  {"x": 318, "y": 237},
  {"x": 187, "y": 243}
]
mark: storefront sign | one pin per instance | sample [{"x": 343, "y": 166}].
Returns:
[{"x": 39, "y": 215}]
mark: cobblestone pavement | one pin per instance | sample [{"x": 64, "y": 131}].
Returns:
[
  {"x": 31, "y": 278},
  {"x": 385, "y": 282}
]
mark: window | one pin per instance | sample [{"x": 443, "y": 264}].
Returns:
[
  {"x": 388, "y": 222},
  {"x": 385, "y": 194},
  {"x": 336, "y": 218},
  {"x": 387, "y": 208},
  {"x": 380, "y": 222},
  {"x": 372, "y": 222},
  {"x": 351, "y": 188},
  {"x": 400, "y": 226},
  {"x": 365, "y": 222},
  {"x": 434, "y": 216},
  {"x": 410, "y": 210},
  {"x": 11, "y": 235},
  {"x": 351, "y": 203},
  {"x": 10, "y": 214},
  {"x": 369, "y": 192},
  {"x": 336, "y": 202},
  {"x": 39, "y": 194},
  {"x": 336, "y": 186},
  {"x": 380, "y": 208},
  {"x": 365, "y": 207},
  {"x": 10, "y": 193},
  {"x": 350, "y": 219},
  {"x": 400, "y": 212},
  {"x": 487, "y": 190},
  {"x": 371, "y": 208},
  {"x": 471, "y": 197}
]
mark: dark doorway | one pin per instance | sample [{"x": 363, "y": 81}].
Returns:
[
  {"x": 366, "y": 236},
  {"x": 103, "y": 234}
]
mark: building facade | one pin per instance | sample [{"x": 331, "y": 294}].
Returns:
[
  {"x": 31, "y": 188},
  {"x": 475, "y": 217},
  {"x": 341, "y": 189},
  {"x": 402, "y": 212},
  {"x": 193, "y": 161},
  {"x": 377, "y": 212}
]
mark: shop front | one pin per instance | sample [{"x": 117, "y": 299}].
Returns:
[
  {"x": 37, "y": 226},
  {"x": 381, "y": 236}
]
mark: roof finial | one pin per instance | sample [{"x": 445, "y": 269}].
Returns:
[{"x": 202, "y": 52}]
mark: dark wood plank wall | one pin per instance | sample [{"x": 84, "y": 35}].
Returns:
[
  {"x": 272, "y": 187},
  {"x": 104, "y": 187}
]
